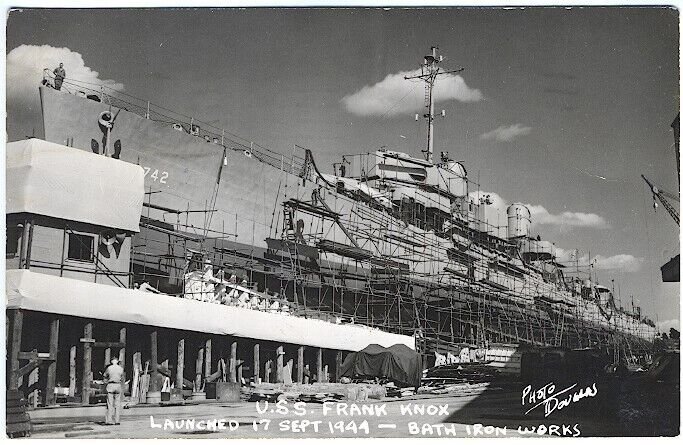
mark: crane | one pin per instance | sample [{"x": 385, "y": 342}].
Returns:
[{"x": 662, "y": 195}]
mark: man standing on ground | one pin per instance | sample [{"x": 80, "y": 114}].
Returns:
[
  {"x": 113, "y": 377},
  {"x": 60, "y": 74}
]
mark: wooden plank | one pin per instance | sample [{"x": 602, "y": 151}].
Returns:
[
  {"x": 180, "y": 367},
  {"x": 35, "y": 355},
  {"x": 30, "y": 366},
  {"x": 107, "y": 344},
  {"x": 51, "y": 376},
  {"x": 233, "y": 362},
  {"x": 257, "y": 363},
  {"x": 122, "y": 351},
  {"x": 300, "y": 365},
  {"x": 280, "y": 364},
  {"x": 17, "y": 318},
  {"x": 72, "y": 371},
  {"x": 87, "y": 365}
]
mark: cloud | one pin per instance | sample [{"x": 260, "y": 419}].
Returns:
[
  {"x": 625, "y": 262},
  {"x": 665, "y": 325},
  {"x": 395, "y": 95},
  {"x": 496, "y": 214},
  {"x": 541, "y": 216},
  {"x": 506, "y": 134},
  {"x": 25, "y": 65},
  {"x": 622, "y": 262}
]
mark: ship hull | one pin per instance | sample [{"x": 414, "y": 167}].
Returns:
[{"x": 230, "y": 197}]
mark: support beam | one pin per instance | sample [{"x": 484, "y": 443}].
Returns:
[
  {"x": 300, "y": 365},
  {"x": 51, "y": 377},
  {"x": 338, "y": 366},
  {"x": 257, "y": 363},
  {"x": 87, "y": 365},
  {"x": 280, "y": 364},
  {"x": 180, "y": 367},
  {"x": 72, "y": 371},
  {"x": 17, "y": 321},
  {"x": 319, "y": 364},
  {"x": 233, "y": 362}
]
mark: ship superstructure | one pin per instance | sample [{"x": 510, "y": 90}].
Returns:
[{"x": 387, "y": 240}]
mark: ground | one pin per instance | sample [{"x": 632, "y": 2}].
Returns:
[{"x": 483, "y": 415}]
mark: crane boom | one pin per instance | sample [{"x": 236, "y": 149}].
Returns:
[{"x": 658, "y": 194}]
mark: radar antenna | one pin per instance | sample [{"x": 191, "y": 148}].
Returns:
[{"x": 429, "y": 71}]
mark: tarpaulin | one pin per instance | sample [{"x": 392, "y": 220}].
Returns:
[
  {"x": 398, "y": 363},
  {"x": 63, "y": 182}
]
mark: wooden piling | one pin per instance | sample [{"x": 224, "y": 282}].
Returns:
[
  {"x": 280, "y": 364},
  {"x": 122, "y": 351},
  {"x": 17, "y": 319},
  {"x": 87, "y": 365},
  {"x": 199, "y": 364},
  {"x": 107, "y": 357},
  {"x": 52, "y": 365},
  {"x": 207, "y": 358},
  {"x": 268, "y": 370},
  {"x": 180, "y": 367},
  {"x": 153, "y": 352},
  {"x": 257, "y": 363},
  {"x": 319, "y": 364},
  {"x": 338, "y": 366},
  {"x": 233, "y": 362},
  {"x": 72, "y": 371},
  {"x": 300, "y": 365}
]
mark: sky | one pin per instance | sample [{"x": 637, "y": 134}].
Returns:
[{"x": 559, "y": 108}]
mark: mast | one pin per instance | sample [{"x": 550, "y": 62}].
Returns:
[{"x": 429, "y": 72}]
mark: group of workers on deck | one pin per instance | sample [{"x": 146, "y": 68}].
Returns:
[{"x": 201, "y": 284}]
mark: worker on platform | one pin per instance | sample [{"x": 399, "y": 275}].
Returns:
[
  {"x": 208, "y": 282},
  {"x": 60, "y": 74},
  {"x": 113, "y": 377}
]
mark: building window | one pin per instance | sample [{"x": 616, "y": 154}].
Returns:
[
  {"x": 13, "y": 237},
  {"x": 81, "y": 247}
]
